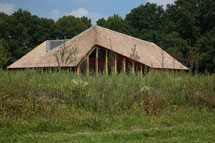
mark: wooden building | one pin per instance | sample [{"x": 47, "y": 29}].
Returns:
[{"x": 101, "y": 50}]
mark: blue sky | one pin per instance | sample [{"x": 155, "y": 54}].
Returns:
[{"x": 93, "y": 9}]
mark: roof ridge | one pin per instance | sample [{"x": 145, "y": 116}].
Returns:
[
  {"x": 82, "y": 33},
  {"x": 125, "y": 35}
]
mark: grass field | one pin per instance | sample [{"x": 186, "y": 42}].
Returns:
[{"x": 61, "y": 107}]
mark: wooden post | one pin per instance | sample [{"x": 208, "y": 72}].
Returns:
[
  {"x": 97, "y": 68},
  {"x": 115, "y": 63},
  {"x": 141, "y": 69},
  {"x": 151, "y": 70},
  {"x": 133, "y": 66},
  {"x": 106, "y": 61},
  {"x": 68, "y": 69},
  {"x": 78, "y": 70},
  {"x": 124, "y": 64},
  {"x": 87, "y": 65}
]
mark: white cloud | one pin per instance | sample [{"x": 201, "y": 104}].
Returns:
[
  {"x": 54, "y": 14},
  {"x": 7, "y": 8},
  {"x": 80, "y": 12},
  {"x": 161, "y": 2}
]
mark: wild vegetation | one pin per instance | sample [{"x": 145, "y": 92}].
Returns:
[{"x": 60, "y": 106}]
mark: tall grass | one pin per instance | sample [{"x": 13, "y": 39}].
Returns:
[{"x": 30, "y": 95}]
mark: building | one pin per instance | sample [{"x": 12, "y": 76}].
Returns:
[{"x": 100, "y": 49}]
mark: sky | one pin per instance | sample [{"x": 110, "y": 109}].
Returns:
[{"x": 93, "y": 9}]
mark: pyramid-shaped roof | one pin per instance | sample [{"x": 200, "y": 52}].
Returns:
[{"x": 150, "y": 54}]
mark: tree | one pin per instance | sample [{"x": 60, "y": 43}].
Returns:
[
  {"x": 183, "y": 17},
  {"x": 147, "y": 20},
  {"x": 206, "y": 46},
  {"x": 116, "y": 23},
  {"x": 71, "y": 26},
  {"x": 4, "y": 56},
  {"x": 207, "y": 15},
  {"x": 175, "y": 46}
]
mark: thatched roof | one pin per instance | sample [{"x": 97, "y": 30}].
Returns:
[{"x": 150, "y": 54}]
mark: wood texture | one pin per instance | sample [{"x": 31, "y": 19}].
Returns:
[
  {"x": 78, "y": 70},
  {"x": 124, "y": 64},
  {"x": 106, "y": 61},
  {"x": 97, "y": 63},
  {"x": 87, "y": 67},
  {"x": 115, "y": 61}
]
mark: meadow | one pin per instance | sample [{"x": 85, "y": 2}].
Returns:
[{"x": 62, "y": 107}]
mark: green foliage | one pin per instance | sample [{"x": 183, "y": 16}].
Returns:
[
  {"x": 35, "y": 107},
  {"x": 71, "y": 26},
  {"x": 147, "y": 21},
  {"x": 4, "y": 56},
  {"x": 47, "y": 92},
  {"x": 206, "y": 46},
  {"x": 116, "y": 23}
]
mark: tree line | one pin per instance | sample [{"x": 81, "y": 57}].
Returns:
[{"x": 185, "y": 29}]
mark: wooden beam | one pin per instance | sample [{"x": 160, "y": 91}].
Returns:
[
  {"x": 88, "y": 54},
  {"x": 124, "y": 64},
  {"x": 141, "y": 69},
  {"x": 151, "y": 71},
  {"x": 133, "y": 66},
  {"x": 97, "y": 55},
  {"x": 78, "y": 70},
  {"x": 87, "y": 68},
  {"x": 106, "y": 61},
  {"x": 115, "y": 62}
]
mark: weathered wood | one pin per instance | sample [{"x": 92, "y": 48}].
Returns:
[
  {"x": 141, "y": 69},
  {"x": 97, "y": 64},
  {"x": 133, "y": 66},
  {"x": 124, "y": 64},
  {"x": 115, "y": 62},
  {"x": 78, "y": 70},
  {"x": 87, "y": 68},
  {"x": 106, "y": 61}
]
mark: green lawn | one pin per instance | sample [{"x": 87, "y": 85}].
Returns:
[
  {"x": 197, "y": 134},
  {"x": 184, "y": 125}
]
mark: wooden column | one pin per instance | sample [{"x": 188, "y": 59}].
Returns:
[
  {"x": 141, "y": 69},
  {"x": 115, "y": 63},
  {"x": 124, "y": 64},
  {"x": 87, "y": 70},
  {"x": 151, "y": 70},
  {"x": 78, "y": 70},
  {"x": 97, "y": 68},
  {"x": 106, "y": 61},
  {"x": 133, "y": 66}
]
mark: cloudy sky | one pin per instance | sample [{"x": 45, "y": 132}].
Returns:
[{"x": 93, "y": 9}]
